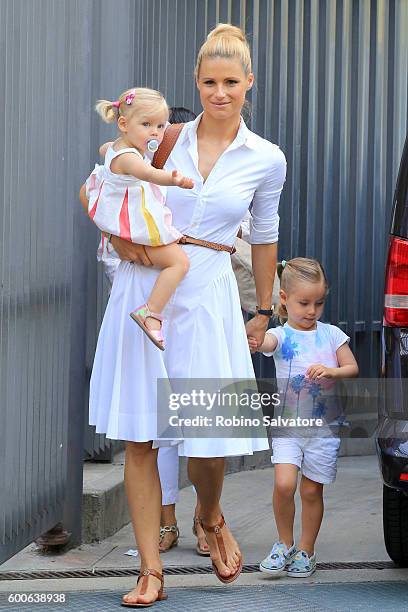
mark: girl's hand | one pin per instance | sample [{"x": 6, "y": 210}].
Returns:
[
  {"x": 253, "y": 344},
  {"x": 181, "y": 181},
  {"x": 128, "y": 251},
  {"x": 315, "y": 372}
]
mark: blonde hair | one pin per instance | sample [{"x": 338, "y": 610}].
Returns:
[
  {"x": 298, "y": 270},
  {"x": 146, "y": 102},
  {"x": 226, "y": 41}
]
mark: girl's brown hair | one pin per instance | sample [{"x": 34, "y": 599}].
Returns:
[
  {"x": 298, "y": 270},
  {"x": 226, "y": 41},
  {"x": 144, "y": 101}
]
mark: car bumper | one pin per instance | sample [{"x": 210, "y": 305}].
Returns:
[{"x": 393, "y": 459}]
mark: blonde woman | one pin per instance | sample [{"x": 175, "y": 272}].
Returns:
[{"x": 205, "y": 336}]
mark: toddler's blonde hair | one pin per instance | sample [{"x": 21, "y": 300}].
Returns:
[
  {"x": 146, "y": 102},
  {"x": 298, "y": 270},
  {"x": 226, "y": 41}
]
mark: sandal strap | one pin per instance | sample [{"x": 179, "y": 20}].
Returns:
[
  {"x": 144, "y": 577},
  {"x": 220, "y": 540},
  {"x": 196, "y": 520},
  {"x": 169, "y": 529},
  {"x": 148, "y": 313},
  {"x": 213, "y": 528},
  {"x": 157, "y": 333}
]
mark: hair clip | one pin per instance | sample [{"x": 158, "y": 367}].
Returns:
[
  {"x": 129, "y": 98},
  {"x": 283, "y": 263}
]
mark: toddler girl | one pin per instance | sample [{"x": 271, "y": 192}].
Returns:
[
  {"x": 125, "y": 198},
  {"x": 306, "y": 353}
]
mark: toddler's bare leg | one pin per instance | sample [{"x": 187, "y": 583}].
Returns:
[
  {"x": 283, "y": 500},
  {"x": 311, "y": 493},
  {"x": 174, "y": 265}
]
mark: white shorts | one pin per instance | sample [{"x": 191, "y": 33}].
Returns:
[{"x": 315, "y": 457}]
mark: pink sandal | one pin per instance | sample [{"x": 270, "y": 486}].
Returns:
[{"x": 140, "y": 315}]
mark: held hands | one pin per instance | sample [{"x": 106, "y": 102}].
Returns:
[
  {"x": 181, "y": 181},
  {"x": 255, "y": 330},
  {"x": 318, "y": 371},
  {"x": 253, "y": 344}
]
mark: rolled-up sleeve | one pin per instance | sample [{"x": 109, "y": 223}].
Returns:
[{"x": 264, "y": 226}]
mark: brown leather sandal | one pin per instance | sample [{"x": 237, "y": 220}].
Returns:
[
  {"x": 199, "y": 550},
  {"x": 144, "y": 577},
  {"x": 221, "y": 547}
]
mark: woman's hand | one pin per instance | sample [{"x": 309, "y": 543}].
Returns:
[
  {"x": 253, "y": 344},
  {"x": 256, "y": 328},
  {"x": 128, "y": 251},
  {"x": 83, "y": 199},
  {"x": 181, "y": 181},
  {"x": 103, "y": 148}
]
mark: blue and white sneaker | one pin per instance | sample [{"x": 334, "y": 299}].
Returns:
[
  {"x": 302, "y": 565},
  {"x": 278, "y": 559}
]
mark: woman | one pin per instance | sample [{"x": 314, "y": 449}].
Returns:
[{"x": 205, "y": 336}]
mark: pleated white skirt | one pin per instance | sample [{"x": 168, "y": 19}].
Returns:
[{"x": 204, "y": 337}]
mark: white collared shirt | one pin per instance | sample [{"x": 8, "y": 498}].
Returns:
[{"x": 250, "y": 171}]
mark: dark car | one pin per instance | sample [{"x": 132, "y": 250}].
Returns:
[{"x": 392, "y": 433}]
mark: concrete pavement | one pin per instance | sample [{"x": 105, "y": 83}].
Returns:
[{"x": 351, "y": 532}]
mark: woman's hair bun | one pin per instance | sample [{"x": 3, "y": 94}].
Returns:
[
  {"x": 227, "y": 42},
  {"x": 227, "y": 29}
]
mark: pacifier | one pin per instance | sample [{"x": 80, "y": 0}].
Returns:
[{"x": 152, "y": 145}]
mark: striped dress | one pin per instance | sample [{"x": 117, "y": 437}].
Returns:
[{"x": 126, "y": 206}]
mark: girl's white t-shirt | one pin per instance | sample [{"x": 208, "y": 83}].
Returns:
[{"x": 295, "y": 352}]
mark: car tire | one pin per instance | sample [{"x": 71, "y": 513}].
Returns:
[{"x": 395, "y": 523}]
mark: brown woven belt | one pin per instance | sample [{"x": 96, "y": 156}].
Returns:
[{"x": 207, "y": 244}]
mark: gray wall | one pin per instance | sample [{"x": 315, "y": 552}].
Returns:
[{"x": 331, "y": 91}]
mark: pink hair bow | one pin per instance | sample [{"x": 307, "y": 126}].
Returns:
[{"x": 130, "y": 97}]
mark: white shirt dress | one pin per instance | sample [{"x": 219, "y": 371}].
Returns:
[{"x": 203, "y": 329}]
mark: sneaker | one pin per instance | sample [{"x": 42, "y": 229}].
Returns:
[
  {"x": 278, "y": 559},
  {"x": 301, "y": 565}
]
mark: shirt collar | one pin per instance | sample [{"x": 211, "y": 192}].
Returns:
[{"x": 244, "y": 136}]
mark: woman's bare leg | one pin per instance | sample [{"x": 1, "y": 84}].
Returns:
[
  {"x": 283, "y": 500},
  {"x": 142, "y": 485},
  {"x": 207, "y": 475},
  {"x": 168, "y": 517},
  {"x": 174, "y": 265}
]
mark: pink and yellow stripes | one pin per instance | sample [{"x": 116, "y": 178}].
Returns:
[
  {"x": 152, "y": 228},
  {"x": 93, "y": 209}
]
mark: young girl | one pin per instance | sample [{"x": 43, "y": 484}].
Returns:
[
  {"x": 125, "y": 200},
  {"x": 307, "y": 353}
]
